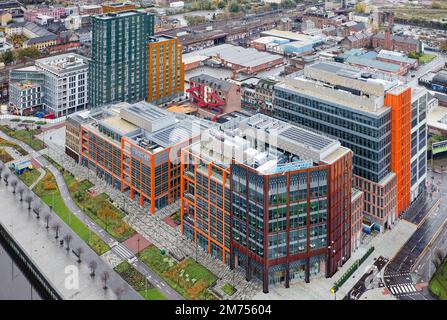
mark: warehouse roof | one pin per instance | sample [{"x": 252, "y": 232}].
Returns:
[{"x": 246, "y": 57}]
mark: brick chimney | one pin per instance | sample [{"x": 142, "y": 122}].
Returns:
[{"x": 387, "y": 40}]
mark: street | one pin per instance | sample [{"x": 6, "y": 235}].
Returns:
[{"x": 408, "y": 273}]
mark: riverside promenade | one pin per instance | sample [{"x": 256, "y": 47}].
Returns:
[{"x": 70, "y": 279}]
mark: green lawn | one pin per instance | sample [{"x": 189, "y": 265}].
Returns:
[
  {"x": 438, "y": 283},
  {"x": 99, "y": 208},
  {"x": 6, "y": 143},
  {"x": 152, "y": 294},
  {"x": 425, "y": 58},
  {"x": 29, "y": 177},
  {"x": 187, "y": 277},
  {"x": 52, "y": 197},
  {"x": 26, "y": 136},
  {"x": 54, "y": 163},
  {"x": 228, "y": 289}
]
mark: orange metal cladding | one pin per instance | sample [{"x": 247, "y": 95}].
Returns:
[
  {"x": 400, "y": 104},
  {"x": 169, "y": 72},
  {"x": 185, "y": 179}
]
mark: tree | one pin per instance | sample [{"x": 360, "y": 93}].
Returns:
[
  {"x": 7, "y": 57},
  {"x": 105, "y": 277},
  {"x": 234, "y": 7},
  {"x": 92, "y": 266},
  {"x": 119, "y": 292},
  {"x": 29, "y": 200},
  {"x": 221, "y": 4},
  {"x": 443, "y": 45},
  {"x": 439, "y": 254},
  {"x": 6, "y": 176},
  {"x": 2, "y": 166},
  {"x": 436, "y": 262},
  {"x": 30, "y": 52},
  {"x": 68, "y": 237},
  {"x": 14, "y": 185},
  {"x": 21, "y": 190},
  {"x": 56, "y": 227},
  {"x": 360, "y": 7},
  {"x": 37, "y": 209},
  {"x": 47, "y": 220},
  {"x": 79, "y": 251}
]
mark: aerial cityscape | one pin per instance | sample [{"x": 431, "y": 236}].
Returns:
[{"x": 250, "y": 150}]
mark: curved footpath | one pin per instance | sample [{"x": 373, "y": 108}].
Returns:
[{"x": 118, "y": 248}]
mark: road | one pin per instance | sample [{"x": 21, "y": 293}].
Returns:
[
  {"x": 120, "y": 249},
  {"x": 434, "y": 65},
  {"x": 410, "y": 267}
]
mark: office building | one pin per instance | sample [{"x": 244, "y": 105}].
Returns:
[
  {"x": 62, "y": 79},
  {"x": 135, "y": 148},
  {"x": 118, "y": 67},
  {"x": 165, "y": 69},
  {"x": 372, "y": 117},
  {"x": 270, "y": 197}
]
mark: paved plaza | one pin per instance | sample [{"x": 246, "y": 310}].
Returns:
[{"x": 386, "y": 245}]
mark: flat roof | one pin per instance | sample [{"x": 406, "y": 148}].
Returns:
[
  {"x": 117, "y": 123},
  {"x": 246, "y": 57},
  {"x": 64, "y": 62}
]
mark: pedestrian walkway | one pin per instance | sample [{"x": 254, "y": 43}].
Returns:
[
  {"x": 42, "y": 174},
  {"x": 157, "y": 232},
  {"x": 71, "y": 205},
  {"x": 53, "y": 261}
]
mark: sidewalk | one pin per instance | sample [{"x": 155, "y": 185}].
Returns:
[
  {"x": 386, "y": 245},
  {"x": 71, "y": 205},
  {"x": 52, "y": 259},
  {"x": 156, "y": 231}
]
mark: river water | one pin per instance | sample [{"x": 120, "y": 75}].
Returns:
[{"x": 13, "y": 283}]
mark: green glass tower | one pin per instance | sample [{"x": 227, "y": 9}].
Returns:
[{"x": 118, "y": 66}]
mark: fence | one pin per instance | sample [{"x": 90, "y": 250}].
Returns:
[
  {"x": 22, "y": 118},
  {"x": 351, "y": 270}
]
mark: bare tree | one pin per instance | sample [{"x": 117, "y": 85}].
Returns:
[
  {"x": 36, "y": 210},
  {"x": 6, "y": 176},
  {"x": 56, "y": 227},
  {"x": 21, "y": 190},
  {"x": 47, "y": 220},
  {"x": 105, "y": 277},
  {"x": 14, "y": 185},
  {"x": 436, "y": 262},
  {"x": 67, "y": 239},
  {"x": 119, "y": 292},
  {"x": 29, "y": 200},
  {"x": 440, "y": 254},
  {"x": 2, "y": 167},
  {"x": 92, "y": 266},
  {"x": 79, "y": 251}
]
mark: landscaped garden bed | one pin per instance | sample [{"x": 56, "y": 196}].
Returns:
[
  {"x": 48, "y": 191},
  {"x": 135, "y": 279},
  {"x": 187, "y": 277},
  {"x": 99, "y": 208}
]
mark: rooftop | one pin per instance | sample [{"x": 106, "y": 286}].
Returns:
[
  {"x": 142, "y": 123},
  {"x": 121, "y": 14},
  {"x": 211, "y": 81},
  {"x": 63, "y": 63},
  {"x": 246, "y": 57},
  {"x": 344, "y": 85},
  {"x": 266, "y": 144}
]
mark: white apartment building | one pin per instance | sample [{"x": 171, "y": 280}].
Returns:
[
  {"x": 65, "y": 83},
  {"x": 63, "y": 79}
]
